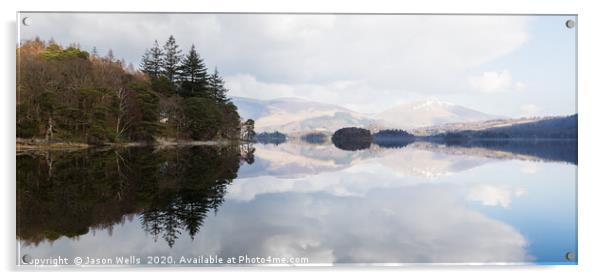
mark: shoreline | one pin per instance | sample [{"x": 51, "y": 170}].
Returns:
[{"x": 24, "y": 145}]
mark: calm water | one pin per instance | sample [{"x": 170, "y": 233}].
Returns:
[{"x": 415, "y": 203}]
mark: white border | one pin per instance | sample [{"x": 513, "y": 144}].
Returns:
[{"x": 590, "y": 20}]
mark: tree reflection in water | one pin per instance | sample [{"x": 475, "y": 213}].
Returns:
[{"x": 172, "y": 189}]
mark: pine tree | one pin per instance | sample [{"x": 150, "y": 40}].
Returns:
[
  {"x": 217, "y": 89},
  {"x": 145, "y": 63},
  {"x": 193, "y": 75},
  {"x": 152, "y": 61},
  {"x": 171, "y": 59},
  {"x": 193, "y": 68}
]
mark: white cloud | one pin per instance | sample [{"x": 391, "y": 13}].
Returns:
[
  {"x": 529, "y": 110},
  {"x": 413, "y": 224},
  {"x": 490, "y": 195},
  {"x": 495, "y": 82},
  {"x": 301, "y": 168},
  {"x": 520, "y": 86},
  {"x": 248, "y": 86},
  {"x": 363, "y": 59},
  {"x": 350, "y": 94}
]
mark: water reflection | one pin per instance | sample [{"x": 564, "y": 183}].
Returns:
[
  {"x": 427, "y": 159},
  {"x": 549, "y": 150},
  {"x": 68, "y": 193},
  {"x": 423, "y": 202}
]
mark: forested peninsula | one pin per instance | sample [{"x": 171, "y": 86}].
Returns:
[{"x": 68, "y": 96}]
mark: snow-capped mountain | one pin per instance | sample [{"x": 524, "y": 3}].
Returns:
[
  {"x": 293, "y": 115},
  {"x": 429, "y": 113}
]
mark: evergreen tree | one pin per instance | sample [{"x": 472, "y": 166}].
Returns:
[
  {"x": 171, "y": 59},
  {"x": 202, "y": 118},
  {"x": 142, "y": 112},
  {"x": 193, "y": 69},
  {"x": 217, "y": 88},
  {"x": 152, "y": 61},
  {"x": 193, "y": 75},
  {"x": 230, "y": 122}
]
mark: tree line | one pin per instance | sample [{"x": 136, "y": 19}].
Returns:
[{"x": 68, "y": 94}]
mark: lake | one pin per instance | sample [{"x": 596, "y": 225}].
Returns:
[{"x": 302, "y": 203}]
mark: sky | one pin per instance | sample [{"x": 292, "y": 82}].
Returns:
[{"x": 511, "y": 66}]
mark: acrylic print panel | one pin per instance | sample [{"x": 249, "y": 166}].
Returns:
[{"x": 296, "y": 139}]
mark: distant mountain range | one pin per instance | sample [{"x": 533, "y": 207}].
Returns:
[
  {"x": 430, "y": 113},
  {"x": 298, "y": 116},
  {"x": 293, "y": 115}
]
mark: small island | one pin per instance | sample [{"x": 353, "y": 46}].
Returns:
[
  {"x": 393, "y": 138},
  {"x": 352, "y": 138}
]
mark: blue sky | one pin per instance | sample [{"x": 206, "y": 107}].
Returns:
[
  {"x": 504, "y": 65},
  {"x": 545, "y": 64}
]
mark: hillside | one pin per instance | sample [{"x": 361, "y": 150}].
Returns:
[
  {"x": 292, "y": 115},
  {"x": 543, "y": 128},
  {"x": 557, "y": 128},
  {"x": 429, "y": 113},
  {"x": 297, "y": 116}
]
